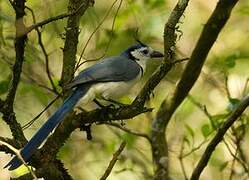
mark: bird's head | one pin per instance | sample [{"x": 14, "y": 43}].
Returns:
[{"x": 141, "y": 52}]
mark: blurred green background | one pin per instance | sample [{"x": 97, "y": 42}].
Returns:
[{"x": 228, "y": 59}]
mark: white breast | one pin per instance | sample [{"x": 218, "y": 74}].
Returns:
[{"x": 109, "y": 90}]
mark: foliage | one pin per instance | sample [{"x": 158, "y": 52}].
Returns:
[{"x": 223, "y": 81}]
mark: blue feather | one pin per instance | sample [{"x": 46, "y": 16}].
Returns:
[{"x": 30, "y": 148}]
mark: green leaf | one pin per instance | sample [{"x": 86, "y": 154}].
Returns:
[
  {"x": 158, "y": 3},
  {"x": 4, "y": 86},
  {"x": 218, "y": 119},
  {"x": 186, "y": 140},
  {"x": 230, "y": 60},
  {"x": 233, "y": 103},
  {"x": 110, "y": 146},
  {"x": 223, "y": 166},
  {"x": 244, "y": 10},
  {"x": 190, "y": 130},
  {"x": 6, "y": 17},
  {"x": 206, "y": 130},
  {"x": 130, "y": 139}
]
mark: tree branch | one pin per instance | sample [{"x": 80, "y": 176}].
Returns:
[
  {"x": 71, "y": 42},
  {"x": 7, "y": 110},
  {"x": 74, "y": 121},
  {"x": 181, "y": 157},
  {"x": 113, "y": 161},
  {"x": 244, "y": 103},
  {"x": 159, "y": 143},
  {"x": 18, "y": 154},
  {"x": 79, "y": 63},
  {"x": 40, "y": 42},
  {"x": 129, "y": 131},
  {"x": 27, "y": 30},
  {"x": 11, "y": 142}
]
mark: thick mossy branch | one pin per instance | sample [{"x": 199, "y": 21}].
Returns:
[
  {"x": 244, "y": 103},
  {"x": 20, "y": 41},
  {"x": 74, "y": 121},
  {"x": 47, "y": 153},
  {"x": 159, "y": 143},
  {"x": 71, "y": 41}
]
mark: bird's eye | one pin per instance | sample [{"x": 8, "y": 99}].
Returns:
[{"x": 145, "y": 51}]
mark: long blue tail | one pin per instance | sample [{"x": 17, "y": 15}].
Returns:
[{"x": 30, "y": 148}]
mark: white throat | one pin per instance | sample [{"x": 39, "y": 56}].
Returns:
[{"x": 142, "y": 63}]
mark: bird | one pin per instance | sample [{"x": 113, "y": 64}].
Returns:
[{"x": 108, "y": 79}]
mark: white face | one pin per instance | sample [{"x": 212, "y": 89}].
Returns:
[{"x": 142, "y": 53}]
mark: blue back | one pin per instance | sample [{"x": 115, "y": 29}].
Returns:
[{"x": 113, "y": 69}]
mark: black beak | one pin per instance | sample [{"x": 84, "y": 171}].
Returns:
[{"x": 156, "y": 54}]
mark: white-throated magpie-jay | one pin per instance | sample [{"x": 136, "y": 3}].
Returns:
[{"x": 110, "y": 78}]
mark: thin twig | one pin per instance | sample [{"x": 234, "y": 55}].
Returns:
[
  {"x": 113, "y": 161},
  {"x": 129, "y": 130},
  {"x": 232, "y": 166},
  {"x": 28, "y": 124},
  {"x": 51, "y": 19},
  {"x": 195, "y": 148},
  {"x": 181, "y": 160},
  {"x": 79, "y": 63},
  {"x": 227, "y": 88},
  {"x": 18, "y": 154},
  {"x": 245, "y": 86},
  {"x": 235, "y": 156},
  {"x": 31, "y": 80},
  {"x": 203, "y": 108},
  {"x": 180, "y": 60},
  {"x": 238, "y": 138},
  {"x": 39, "y": 34},
  {"x": 94, "y": 31}
]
